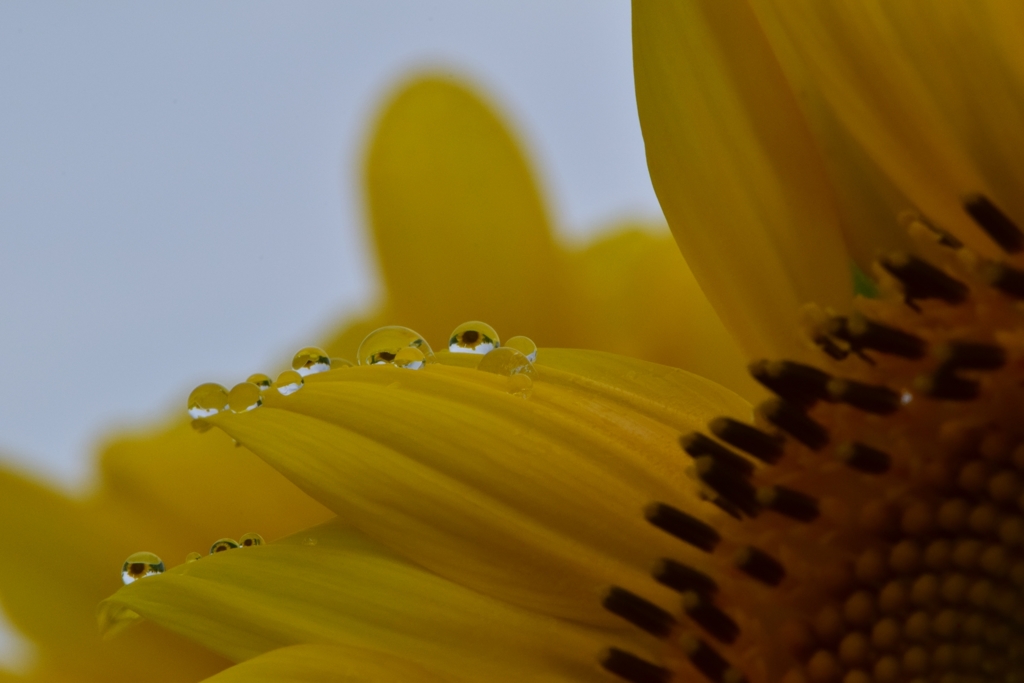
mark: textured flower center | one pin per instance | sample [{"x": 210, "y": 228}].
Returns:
[{"x": 873, "y": 526}]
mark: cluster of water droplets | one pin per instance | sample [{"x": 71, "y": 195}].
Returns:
[
  {"x": 140, "y": 565},
  {"x": 393, "y": 345}
]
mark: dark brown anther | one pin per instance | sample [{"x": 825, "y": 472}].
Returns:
[
  {"x": 759, "y": 565},
  {"x": 682, "y": 578},
  {"x": 633, "y": 669},
  {"x": 683, "y": 526},
  {"x": 831, "y": 349},
  {"x": 922, "y": 280},
  {"x": 731, "y": 485},
  {"x": 641, "y": 613},
  {"x": 868, "y": 334},
  {"x": 994, "y": 222},
  {"x": 751, "y": 440},
  {"x": 802, "y": 385},
  {"x": 795, "y": 422},
  {"x": 789, "y": 502},
  {"x": 867, "y": 397},
  {"x": 713, "y": 620},
  {"x": 863, "y": 458},
  {"x": 707, "y": 660},
  {"x": 697, "y": 445},
  {"x": 969, "y": 356},
  {"x": 946, "y": 385},
  {"x": 1006, "y": 279}
]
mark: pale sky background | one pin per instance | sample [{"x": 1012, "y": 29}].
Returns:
[{"x": 180, "y": 192}]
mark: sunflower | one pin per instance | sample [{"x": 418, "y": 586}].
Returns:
[{"x": 587, "y": 516}]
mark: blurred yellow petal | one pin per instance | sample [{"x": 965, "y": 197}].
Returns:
[
  {"x": 735, "y": 169},
  {"x": 327, "y": 664},
  {"x": 60, "y": 558},
  {"x": 498, "y": 493},
  {"x": 460, "y": 227},
  {"x": 328, "y": 585}
]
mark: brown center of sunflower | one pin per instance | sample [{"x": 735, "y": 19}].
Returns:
[{"x": 875, "y": 528}]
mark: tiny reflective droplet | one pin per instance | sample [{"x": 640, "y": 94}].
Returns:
[
  {"x": 222, "y": 545},
  {"x": 381, "y": 347},
  {"x": 409, "y": 358},
  {"x": 139, "y": 566},
  {"x": 525, "y": 346},
  {"x": 244, "y": 397},
  {"x": 206, "y": 400},
  {"x": 309, "y": 541},
  {"x": 520, "y": 385},
  {"x": 310, "y": 361},
  {"x": 506, "y": 361},
  {"x": 341, "y": 363},
  {"x": 288, "y": 382},
  {"x": 250, "y": 540},
  {"x": 260, "y": 380},
  {"x": 193, "y": 556},
  {"x": 473, "y": 337}
]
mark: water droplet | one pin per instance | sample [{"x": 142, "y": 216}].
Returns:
[
  {"x": 244, "y": 397},
  {"x": 382, "y": 346},
  {"x": 139, "y": 566},
  {"x": 206, "y": 400},
  {"x": 288, "y": 382},
  {"x": 309, "y": 541},
  {"x": 525, "y": 346},
  {"x": 409, "y": 358},
  {"x": 250, "y": 540},
  {"x": 473, "y": 337},
  {"x": 341, "y": 363},
  {"x": 260, "y": 380},
  {"x": 310, "y": 361},
  {"x": 193, "y": 556},
  {"x": 222, "y": 545},
  {"x": 506, "y": 361},
  {"x": 520, "y": 385}
]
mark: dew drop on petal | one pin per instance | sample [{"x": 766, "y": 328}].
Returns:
[
  {"x": 381, "y": 346},
  {"x": 250, "y": 540},
  {"x": 525, "y": 346},
  {"x": 473, "y": 337},
  {"x": 288, "y": 382},
  {"x": 193, "y": 556},
  {"x": 206, "y": 400},
  {"x": 139, "y": 566},
  {"x": 260, "y": 380},
  {"x": 506, "y": 361},
  {"x": 310, "y": 361},
  {"x": 409, "y": 358},
  {"x": 222, "y": 545},
  {"x": 520, "y": 385},
  {"x": 244, "y": 397}
]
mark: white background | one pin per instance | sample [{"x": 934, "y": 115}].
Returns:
[{"x": 180, "y": 194}]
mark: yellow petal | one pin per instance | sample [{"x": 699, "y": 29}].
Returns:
[
  {"x": 852, "y": 54},
  {"x": 735, "y": 169},
  {"x": 642, "y": 301},
  {"x": 60, "y": 558},
  {"x": 327, "y": 664},
  {"x": 328, "y": 585},
  {"x": 538, "y": 502},
  {"x": 460, "y": 228}
]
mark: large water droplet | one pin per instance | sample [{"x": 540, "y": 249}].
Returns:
[
  {"x": 525, "y": 346},
  {"x": 250, "y": 540},
  {"x": 244, "y": 397},
  {"x": 506, "y": 361},
  {"x": 473, "y": 337},
  {"x": 288, "y": 382},
  {"x": 310, "y": 361},
  {"x": 193, "y": 556},
  {"x": 520, "y": 385},
  {"x": 206, "y": 400},
  {"x": 260, "y": 380},
  {"x": 222, "y": 545},
  {"x": 139, "y": 566},
  {"x": 382, "y": 346}
]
